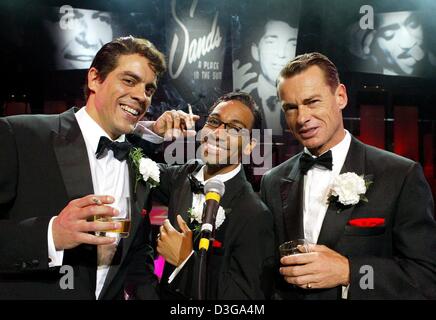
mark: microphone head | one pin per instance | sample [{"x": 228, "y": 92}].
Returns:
[{"x": 214, "y": 185}]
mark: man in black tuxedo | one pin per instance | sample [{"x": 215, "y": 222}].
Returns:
[
  {"x": 57, "y": 173},
  {"x": 243, "y": 246},
  {"x": 381, "y": 247}
]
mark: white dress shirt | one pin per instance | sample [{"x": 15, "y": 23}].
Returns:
[
  {"x": 317, "y": 184},
  {"x": 109, "y": 177},
  {"x": 198, "y": 202}
]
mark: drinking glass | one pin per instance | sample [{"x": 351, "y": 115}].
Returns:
[{"x": 124, "y": 219}]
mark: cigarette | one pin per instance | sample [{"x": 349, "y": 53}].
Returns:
[
  {"x": 191, "y": 115},
  {"x": 96, "y": 201}
]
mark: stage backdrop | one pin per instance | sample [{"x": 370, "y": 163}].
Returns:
[{"x": 196, "y": 42}]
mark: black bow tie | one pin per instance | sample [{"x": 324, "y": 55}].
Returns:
[
  {"x": 307, "y": 161},
  {"x": 120, "y": 149},
  {"x": 196, "y": 186}
]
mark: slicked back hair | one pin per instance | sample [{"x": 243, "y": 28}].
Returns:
[
  {"x": 106, "y": 59},
  {"x": 303, "y": 62}
]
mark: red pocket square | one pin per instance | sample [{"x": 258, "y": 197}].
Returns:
[
  {"x": 367, "y": 222},
  {"x": 217, "y": 244}
]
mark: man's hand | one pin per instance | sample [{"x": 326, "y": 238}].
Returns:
[
  {"x": 174, "y": 124},
  {"x": 175, "y": 246},
  {"x": 241, "y": 76},
  {"x": 70, "y": 228},
  {"x": 322, "y": 268}
]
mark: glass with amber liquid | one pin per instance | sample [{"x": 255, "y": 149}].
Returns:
[{"x": 124, "y": 219}]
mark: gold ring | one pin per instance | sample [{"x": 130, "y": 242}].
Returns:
[{"x": 309, "y": 286}]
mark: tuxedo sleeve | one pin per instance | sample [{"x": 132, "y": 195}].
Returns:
[
  {"x": 150, "y": 148},
  {"x": 23, "y": 244},
  {"x": 411, "y": 272},
  {"x": 184, "y": 284}
]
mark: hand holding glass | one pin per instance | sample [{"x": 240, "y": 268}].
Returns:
[
  {"x": 294, "y": 247},
  {"x": 123, "y": 219}
]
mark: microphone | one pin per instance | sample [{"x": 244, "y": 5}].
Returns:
[{"x": 214, "y": 190}]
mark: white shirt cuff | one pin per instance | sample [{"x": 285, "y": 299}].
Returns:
[
  {"x": 177, "y": 270},
  {"x": 143, "y": 130},
  {"x": 55, "y": 256},
  {"x": 345, "y": 292}
]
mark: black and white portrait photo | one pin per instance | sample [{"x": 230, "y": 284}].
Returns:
[
  {"x": 77, "y": 35},
  {"x": 262, "y": 47},
  {"x": 399, "y": 45}
]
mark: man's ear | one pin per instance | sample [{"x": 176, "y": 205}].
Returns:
[
  {"x": 248, "y": 149},
  {"x": 93, "y": 79},
  {"x": 255, "y": 51},
  {"x": 341, "y": 96}
]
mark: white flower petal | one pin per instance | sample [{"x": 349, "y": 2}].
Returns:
[
  {"x": 197, "y": 214},
  {"x": 348, "y": 187},
  {"x": 149, "y": 169},
  {"x": 220, "y": 217}
]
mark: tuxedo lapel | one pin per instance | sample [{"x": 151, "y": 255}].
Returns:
[
  {"x": 70, "y": 149},
  {"x": 183, "y": 203},
  {"x": 72, "y": 157},
  {"x": 291, "y": 193},
  {"x": 334, "y": 222},
  {"x": 139, "y": 195},
  {"x": 233, "y": 188}
]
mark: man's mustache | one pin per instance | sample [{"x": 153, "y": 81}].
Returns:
[{"x": 415, "y": 52}]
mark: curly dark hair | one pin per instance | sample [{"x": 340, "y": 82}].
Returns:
[{"x": 247, "y": 100}]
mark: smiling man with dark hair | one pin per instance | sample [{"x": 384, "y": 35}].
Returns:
[
  {"x": 58, "y": 173},
  {"x": 241, "y": 253}
]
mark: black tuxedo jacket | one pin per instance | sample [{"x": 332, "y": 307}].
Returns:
[
  {"x": 236, "y": 270},
  {"x": 401, "y": 252},
  {"x": 44, "y": 165}
]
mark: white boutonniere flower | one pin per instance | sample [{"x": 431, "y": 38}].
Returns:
[
  {"x": 145, "y": 168},
  {"x": 196, "y": 214},
  {"x": 348, "y": 189}
]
